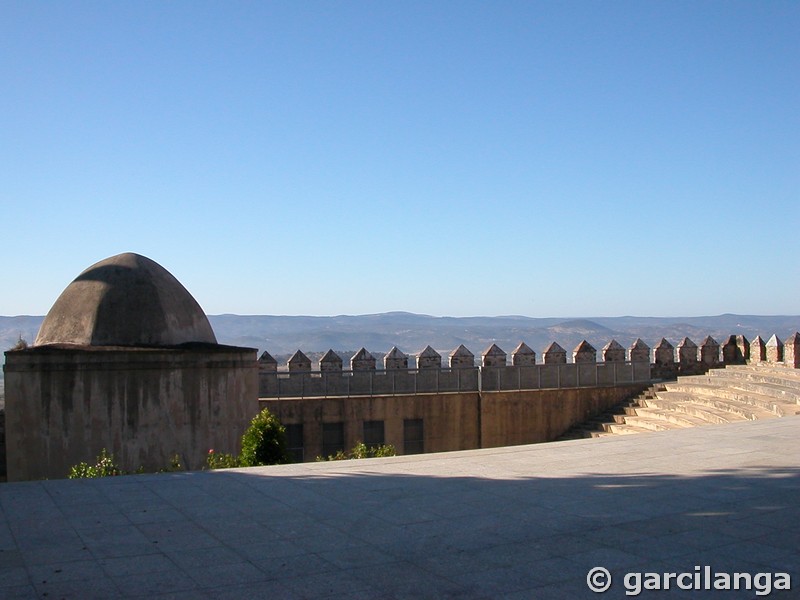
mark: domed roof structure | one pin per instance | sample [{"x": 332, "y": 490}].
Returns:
[{"x": 125, "y": 300}]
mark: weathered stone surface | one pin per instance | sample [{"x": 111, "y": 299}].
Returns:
[
  {"x": 687, "y": 352},
  {"x": 736, "y": 350},
  {"x": 709, "y": 352},
  {"x": 744, "y": 346},
  {"x": 584, "y": 353},
  {"x": 774, "y": 348},
  {"x": 362, "y": 361},
  {"x": 791, "y": 350},
  {"x": 461, "y": 357},
  {"x": 125, "y": 300},
  {"x": 554, "y": 354},
  {"x": 266, "y": 363},
  {"x": 523, "y": 356},
  {"x": 494, "y": 356},
  {"x": 639, "y": 351},
  {"x": 299, "y": 362},
  {"x": 394, "y": 359},
  {"x": 613, "y": 352},
  {"x": 758, "y": 350},
  {"x": 330, "y": 361},
  {"x": 126, "y": 361},
  {"x": 429, "y": 359},
  {"x": 145, "y": 405},
  {"x": 664, "y": 353}
]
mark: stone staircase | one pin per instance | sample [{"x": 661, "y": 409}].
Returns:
[{"x": 735, "y": 393}]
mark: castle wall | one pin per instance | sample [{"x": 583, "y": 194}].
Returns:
[
  {"x": 313, "y": 384},
  {"x": 64, "y": 405},
  {"x": 452, "y": 421},
  {"x": 532, "y": 416}
]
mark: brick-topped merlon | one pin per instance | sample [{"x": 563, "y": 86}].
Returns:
[
  {"x": 461, "y": 358},
  {"x": 429, "y": 359},
  {"x": 614, "y": 352},
  {"x": 774, "y": 348},
  {"x": 362, "y": 361},
  {"x": 395, "y": 359},
  {"x": 494, "y": 356},
  {"x": 664, "y": 353},
  {"x": 744, "y": 346},
  {"x": 687, "y": 352},
  {"x": 639, "y": 351},
  {"x": 266, "y": 363},
  {"x": 758, "y": 350},
  {"x": 736, "y": 350},
  {"x": 791, "y": 351},
  {"x": 584, "y": 353},
  {"x": 330, "y": 361},
  {"x": 299, "y": 362},
  {"x": 709, "y": 352},
  {"x": 523, "y": 356},
  {"x": 554, "y": 355}
]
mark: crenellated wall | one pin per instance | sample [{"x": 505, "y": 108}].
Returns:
[
  {"x": 433, "y": 408},
  {"x": 615, "y": 366}
]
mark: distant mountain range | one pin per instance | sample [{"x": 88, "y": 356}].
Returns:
[{"x": 282, "y": 335}]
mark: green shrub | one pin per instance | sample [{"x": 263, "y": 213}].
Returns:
[
  {"x": 104, "y": 467},
  {"x": 264, "y": 442},
  {"x": 220, "y": 460},
  {"x": 174, "y": 465},
  {"x": 361, "y": 450}
]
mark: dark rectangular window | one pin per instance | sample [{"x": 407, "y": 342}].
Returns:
[
  {"x": 332, "y": 438},
  {"x": 373, "y": 433},
  {"x": 413, "y": 436},
  {"x": 294, "y": 442}
]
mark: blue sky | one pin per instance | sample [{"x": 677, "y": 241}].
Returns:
[{"x": 449, "y": 158}]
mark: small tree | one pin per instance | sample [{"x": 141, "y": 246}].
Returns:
[{"x": 264, "y": 442}]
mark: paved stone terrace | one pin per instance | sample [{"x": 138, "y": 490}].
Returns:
[{"x": 518, "y": 522}]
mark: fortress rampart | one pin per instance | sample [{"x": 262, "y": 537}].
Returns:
[
  {"x": 616, "y": 366},
  {"x": 430, "y": 407}
]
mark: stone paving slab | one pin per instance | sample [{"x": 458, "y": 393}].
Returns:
[{"x": 516, "y": 522}]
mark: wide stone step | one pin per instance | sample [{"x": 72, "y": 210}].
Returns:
[
  {"x": 763, "y": 369},
  {"x": 712, "y": 415},
  {"x": 627, "y": 429},
  {"x": 720, "y": 405},
  {"x": 644, "y": 423},
  {"x": 786, "y": 398},
  {"x": 786, "y": 378},
  {"x": 780, "y": 406},
  {"x": 684, "y": 419},
  {"x": 599, "y": 434}
]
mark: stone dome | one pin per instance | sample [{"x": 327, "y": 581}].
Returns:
[{"x": 125, "y": 300}]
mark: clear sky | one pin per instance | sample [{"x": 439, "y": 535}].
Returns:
[{"x": 443, "y": 157}]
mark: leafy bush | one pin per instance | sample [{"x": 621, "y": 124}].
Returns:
[
  {"x": 106, "y": 467},
  {"x": 174, "y": 465},
  {"x": 103, "y": 467},
  {"x": 264, "y": 442},
  {"x": 361, "y": 450},
  {"x": 220, "y": 460}
]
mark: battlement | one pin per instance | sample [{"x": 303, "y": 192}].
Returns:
[{"x": 640, "y": 364}]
